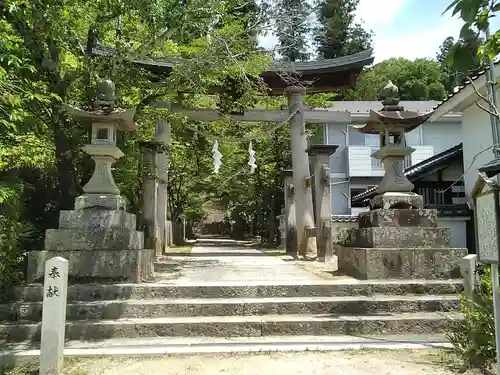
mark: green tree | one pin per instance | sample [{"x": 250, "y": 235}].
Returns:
[
  {"x": 422, "y": 79},
  {"x": 337, "y": 33},
  {"x": 476, "y": 15},
  {"x": 47, "y": 61},
  {"x": 456, "y": 77},
  {"x": 292, "y": 28}
]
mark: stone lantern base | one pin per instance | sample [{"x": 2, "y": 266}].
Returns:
[
  {"x": 401, "y": 243},
  {"x": 100, "y": 241}
]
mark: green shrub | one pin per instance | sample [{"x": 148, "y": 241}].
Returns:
[
  {"x": 473, "y": 337},
  {"x": 12, "y": 232}
]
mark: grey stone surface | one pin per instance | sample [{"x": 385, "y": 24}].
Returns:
[
  {"x": 224, "y": 260},
  {"x": 95, "y": 265},
  {"x": 398, "y": 218},
  {"x": 94, "y": 218},
  {"x": 238, "y": 326},
  {"x": 397, "y": 200},
  {"x": 399, "y": 237},
  {"x": 103, "y": 292},
  {"x": 158, "y": 308},
  {"x": 93, "y": 238},
  {"x": 401, "y": 263},
  {"x": 102, "y": 201}
]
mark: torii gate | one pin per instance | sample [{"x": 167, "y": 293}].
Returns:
[{"x": 325, "y": 76}]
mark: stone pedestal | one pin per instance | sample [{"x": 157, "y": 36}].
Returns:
[
  {"x": 100, "y": 244},
  {"x": 392, "y": 157},
  {"x": 400, "y": 244}
]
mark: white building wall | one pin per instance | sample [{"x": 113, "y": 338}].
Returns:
[
  {"x": 477, "y": 136},
  {"x": 458, "y": 226},
  {"x": 441, "y": 135}
]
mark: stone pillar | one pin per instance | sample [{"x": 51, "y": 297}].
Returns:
[
  {"x": 290, "y": 223},
  {"x": 282, "y": 229},
  {"x": 306, "y": 239},
  {"x": 149, "y": 201},
  {"x": 162, "y": 136},
  {"x": 320, "y": 155}
]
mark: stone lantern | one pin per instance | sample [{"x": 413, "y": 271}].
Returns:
[
  {"x": 106, "y": 120},
  {"x": 99, "y": 237},
  {"x": 391, "y": 124},
  {"x": 397, "y": 238}
]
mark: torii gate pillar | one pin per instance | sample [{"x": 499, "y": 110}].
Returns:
[{"x": 306, "y": 230}]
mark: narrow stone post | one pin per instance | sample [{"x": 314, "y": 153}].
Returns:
[
  {"x": 320, "y": 155},
  {"x": 306, "y": 239},
  {"x": 55, "y": 290},
  {"x": 471, "y": 279},
  {"x": 149, "y": 197},
  {"x": 162, "y": 136},
  {"x": 282, "y": 229},
  {"x": 290, "y": 220}
]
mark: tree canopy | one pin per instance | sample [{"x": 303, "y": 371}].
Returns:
[
  {"x": 337, "y": 34},
  {"x": 421, "y": 79}
]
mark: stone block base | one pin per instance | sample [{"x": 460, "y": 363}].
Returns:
[
  {"x": 93, "y": 239},
  {"x": 399, "y": 237},
  {"x": 398, "y": 218},
  {"x": 397, "y": 200},
  {"x": 410, "y": 263},
  {"x": 101, "y": 201},
  {"x": 89, "y": 266}
]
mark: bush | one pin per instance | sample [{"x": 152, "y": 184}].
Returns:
[
  {"x": 473, "y": 338},
  {"x": 12, "y": 232}
]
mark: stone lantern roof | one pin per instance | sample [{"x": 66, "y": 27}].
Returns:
[
  {"x": 392, "y": 117},
  {"x": 105, "y": 109}
]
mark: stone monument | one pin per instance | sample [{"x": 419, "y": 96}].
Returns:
[
  {"x": 397, "y": 238},
  {"x": 99, "y": 237}
]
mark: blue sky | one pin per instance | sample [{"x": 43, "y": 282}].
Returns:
[{"x": 404, "y": 28}]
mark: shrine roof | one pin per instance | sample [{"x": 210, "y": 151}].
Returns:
[{"x": 324, "y": 75}]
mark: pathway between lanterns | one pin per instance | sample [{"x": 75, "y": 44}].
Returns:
[{"x": 224, "y": 260}]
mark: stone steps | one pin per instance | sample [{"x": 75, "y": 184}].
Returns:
[
  {"x": 348, "y": 287},
  {"x": 157, "y": 308},
  {"x": 238, "y": 309},
  {"x": 238, "y": 326}
]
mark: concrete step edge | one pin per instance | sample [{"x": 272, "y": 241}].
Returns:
[
  {"x": 298, "y": 318},
  {"x": 256, "y": 300},
  {"x": 11, "y": 357},
  {"x": 343, "y": 282}
]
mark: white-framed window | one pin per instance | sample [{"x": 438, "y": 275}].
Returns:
[
  {"x": 356, "y": 138},
  {"x": 414, "y": 138}
]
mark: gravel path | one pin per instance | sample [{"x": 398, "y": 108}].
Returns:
[{"x": 421, "y": 362}]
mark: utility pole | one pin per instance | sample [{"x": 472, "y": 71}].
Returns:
[{"x": 495, "y": 127}]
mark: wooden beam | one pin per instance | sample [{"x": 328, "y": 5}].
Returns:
[{"x": 257, "y": 115}]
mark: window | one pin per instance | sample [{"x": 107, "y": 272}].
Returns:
[
  {"x": 414, "y": 138},
  {"x": 354, "y": 192},
  {"x": 372, "y": 140},
  {"x": 356, "y": 138}
]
